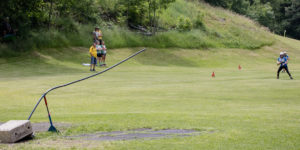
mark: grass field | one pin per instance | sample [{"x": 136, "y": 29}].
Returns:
[{"x": 160, "y": 89}]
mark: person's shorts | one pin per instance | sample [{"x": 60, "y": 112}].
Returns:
[
  {"x": 101, "y": 53},
  {"x": 9, "y": 37},
  {"x": 93, "y": 60}
]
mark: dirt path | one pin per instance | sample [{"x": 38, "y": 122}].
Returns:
[
  {"x": 147, "y": 134},
  {"x": 143, "y": 133}
]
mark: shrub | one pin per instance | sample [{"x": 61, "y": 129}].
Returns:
[
  {"x": 184, "y": 24},
  {"x": 199, "y": 21}
]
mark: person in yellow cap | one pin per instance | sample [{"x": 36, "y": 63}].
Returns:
[{"x": 93, "y": 53}]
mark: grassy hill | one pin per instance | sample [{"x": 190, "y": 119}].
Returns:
[
  {"x": 167, "y": 87},
  {"x": 211, "y": 28},
  {"x": 221, "y": 28}
]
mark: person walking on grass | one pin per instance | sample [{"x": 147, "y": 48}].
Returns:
[
  {"x": 282, "y": 61},
  {"x": 103, "y": 54},
  {"x": 93, "y": 53},
  {"x": 99, "y": 55}
]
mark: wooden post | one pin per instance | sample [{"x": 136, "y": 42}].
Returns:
[
  {"x": 154, "y": 18},
  {"x": 50, "y": 13},
  {"x": 128, "y": 13},
  {"x": 149, "y": 14}
]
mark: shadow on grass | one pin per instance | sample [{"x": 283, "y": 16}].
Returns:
[
  {"x": 41, "y": 63},
  {"x": 69, "y": 60}
]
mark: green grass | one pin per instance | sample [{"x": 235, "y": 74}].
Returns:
[{"x": 159, "y": 89}]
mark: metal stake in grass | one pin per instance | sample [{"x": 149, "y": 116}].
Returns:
[{"x": 52, "y": 128}]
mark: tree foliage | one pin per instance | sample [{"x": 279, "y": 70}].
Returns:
[
  {"x": 24, "y": 14},
  {"x": 28, "y": 15},
  {"x": 292, "y": 19},
  {"x": 278, "y": 15}
]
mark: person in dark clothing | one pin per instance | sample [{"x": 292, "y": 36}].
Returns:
[
  {"x": 282, "y": 61},
  {"x": 6, "y": 27},
  {"x": 7, "y": 32}
]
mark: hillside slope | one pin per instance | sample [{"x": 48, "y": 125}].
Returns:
[{"x": 211, "y": 28}]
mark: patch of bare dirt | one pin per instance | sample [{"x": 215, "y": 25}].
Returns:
[{"x": 147, "y": 134}]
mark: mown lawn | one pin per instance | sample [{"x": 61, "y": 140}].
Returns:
[{"x": 160, "y": 89}]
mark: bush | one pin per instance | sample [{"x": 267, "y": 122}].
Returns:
[
  {"x": 66, "y": 24},
  {"x": 184, "y": 24},
  {"x": 199, "y": 21}
]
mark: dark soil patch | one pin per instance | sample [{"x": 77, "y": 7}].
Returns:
[
  {"x": 147, "y": 134},
  {"x": 142, "y": 133}
]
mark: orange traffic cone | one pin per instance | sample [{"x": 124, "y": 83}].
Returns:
[
  {"x": 240, "y": 67},
  {"x": 213, "y": 75}
]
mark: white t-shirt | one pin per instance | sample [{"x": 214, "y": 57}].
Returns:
[
  {"x": 104, "y": 47},
  {"x": 98, "y": 47}
]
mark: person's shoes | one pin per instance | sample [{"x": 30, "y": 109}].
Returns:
[
  {"x": 91, "y": 69},
  {"x": 94, "y": 70},
  {"x": 291, "y": 78},
  {"x": 277, "y": 77}
]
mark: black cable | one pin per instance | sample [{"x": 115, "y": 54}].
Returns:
[{"x": 96, "y": 74}]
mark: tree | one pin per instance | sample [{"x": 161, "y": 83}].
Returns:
[
  {"x": 154, "y": 6},
  {"x": 221, "y": 3},
  {"x": 292, "y": 19},
  {"x": 240, "y": 6},
  {"x": 262, "y": 13}
]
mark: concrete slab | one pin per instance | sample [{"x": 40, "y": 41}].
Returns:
[{"x": 15, "y": 130}]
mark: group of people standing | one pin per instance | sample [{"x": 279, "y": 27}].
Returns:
[
  {"x": 97, "y": 50},
  {"x": 283, "y": 62},
  {"x": 98, "y": 53}
]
